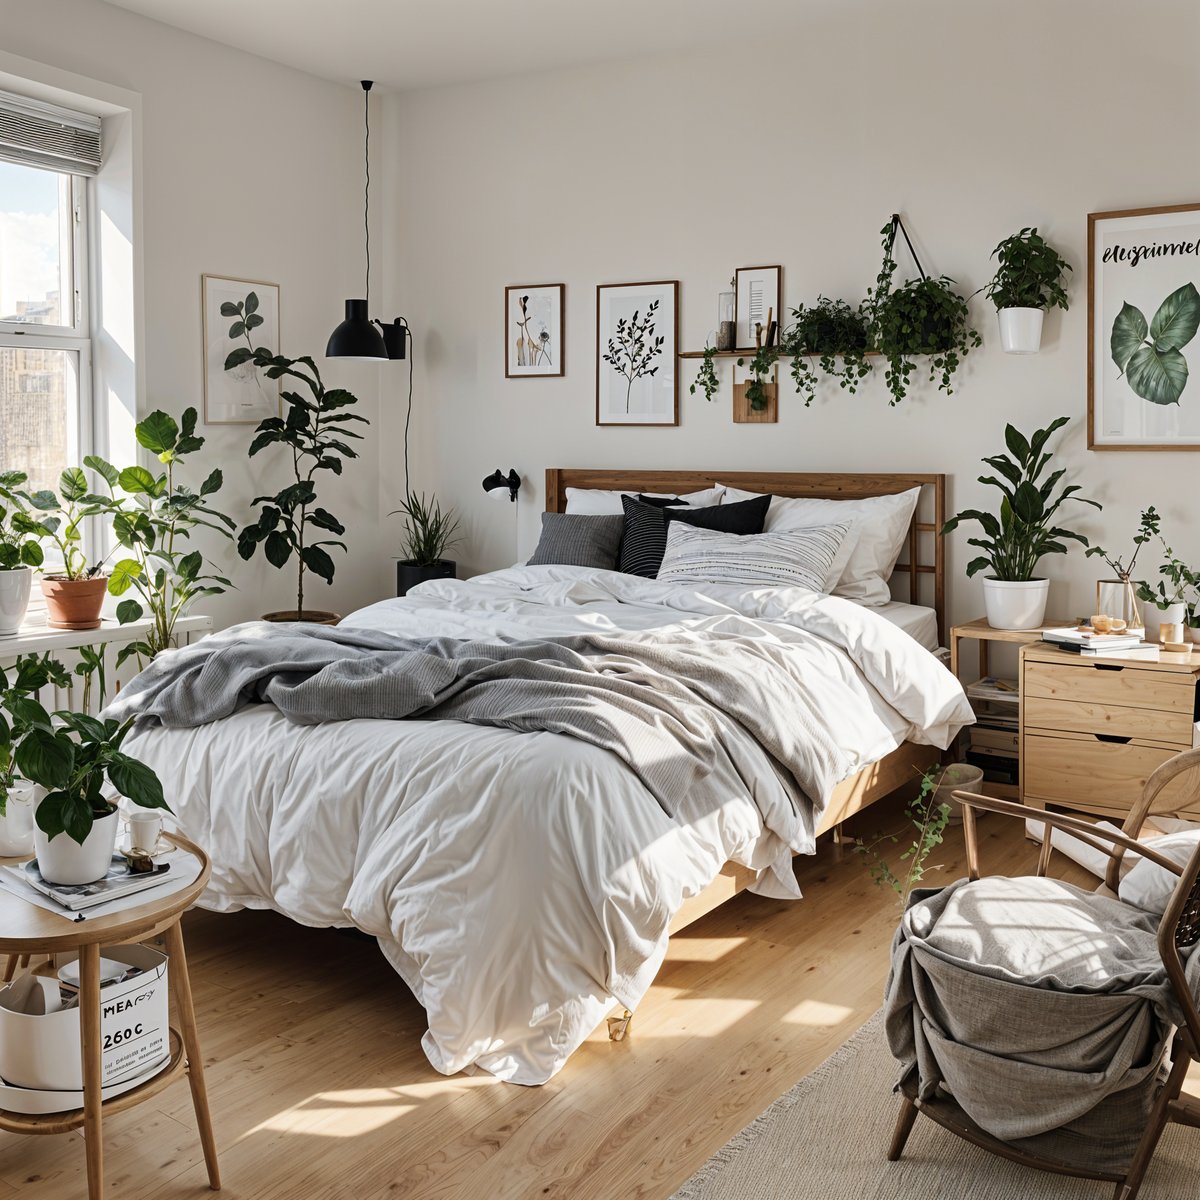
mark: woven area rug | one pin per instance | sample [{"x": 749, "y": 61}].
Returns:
[{"x": 827, "y": 1139}]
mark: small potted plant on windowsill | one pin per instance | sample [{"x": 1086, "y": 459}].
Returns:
[
  {"x": 72, "y": 756},
  {"x": 429, "y": 531},
  {"x": 1029, "y": 279},
  {"x": 20, "y": 551},
  {"x": 1016, "y": 540},
  {"x": 74, "y": 595}
]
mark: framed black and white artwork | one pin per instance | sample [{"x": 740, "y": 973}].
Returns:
[
  {"x": 637, "y": 340},
  {"x": 1143, "y": 315},
  {"x": 533, "y": 330},
  {"x": 758, "y": 302},
  {"x": 243, "y": 396}
]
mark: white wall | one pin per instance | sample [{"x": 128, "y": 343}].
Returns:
[
  {"x": 248, "y": 169},
  {"x": 973, "y": 119}
]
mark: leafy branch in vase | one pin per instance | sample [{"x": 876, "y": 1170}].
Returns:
[{"x": 633, "y": 351}]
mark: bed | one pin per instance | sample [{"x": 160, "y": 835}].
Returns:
[{"x": 524, "y": 883}]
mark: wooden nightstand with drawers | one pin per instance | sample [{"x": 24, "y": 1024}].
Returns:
[{"x": 1093, "y": 729}]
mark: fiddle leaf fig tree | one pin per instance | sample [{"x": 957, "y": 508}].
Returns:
[{"x": 315, "y": 431}]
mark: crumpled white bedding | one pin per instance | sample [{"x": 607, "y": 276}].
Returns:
[{"x": 521, "y": 883}]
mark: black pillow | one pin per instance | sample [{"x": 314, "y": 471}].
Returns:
[
  {"x": 576, "y": 540},
  {"x": 645, "y": 540}
]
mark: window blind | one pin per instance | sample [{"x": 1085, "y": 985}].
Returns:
[{"x": 45, "y": 135}]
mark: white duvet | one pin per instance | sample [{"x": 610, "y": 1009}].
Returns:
[{"x": 521, "y": 883}]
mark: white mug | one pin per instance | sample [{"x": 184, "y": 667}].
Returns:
[{"x": 144, "y": 830}]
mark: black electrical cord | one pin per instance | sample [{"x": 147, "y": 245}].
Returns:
[
  {"x": 408, "y": 418},
  {"x": 366, "y": 86}
]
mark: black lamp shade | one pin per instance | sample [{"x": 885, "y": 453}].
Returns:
[
  {"x": 497, "y": 483},
  {"x": 356, "y": 336}
]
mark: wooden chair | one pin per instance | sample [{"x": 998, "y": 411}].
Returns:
[{"x": 1179, "y": 929}]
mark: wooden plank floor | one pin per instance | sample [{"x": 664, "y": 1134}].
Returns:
[{"x": 319, "y": 1088}]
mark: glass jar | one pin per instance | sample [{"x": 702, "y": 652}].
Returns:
[
  {"x": 726, "y": 321},
  {"x": 1118, "y": 598}
]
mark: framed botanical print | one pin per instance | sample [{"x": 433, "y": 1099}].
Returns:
[
  {"x": 758, "y": 302},
  {"x": 243, "y": 396},
  {"x": 1143, "y": 315},
  {"x": 533, "y": 330},
  {"x": 637, "y": 340}
]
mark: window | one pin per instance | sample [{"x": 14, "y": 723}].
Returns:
[{"x": 45, "y": 350}]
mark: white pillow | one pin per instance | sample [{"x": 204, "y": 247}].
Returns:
[
  {"x": 881, "y": 526},
  {"x": 789, "y": 558},
  {"x": 1149, "y": 886},
  {"x": 595, "y": 502}
]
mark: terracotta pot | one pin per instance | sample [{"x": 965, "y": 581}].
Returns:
[
  {"x": 74, "y": 603},
  {"x": 312, "y": 616}
]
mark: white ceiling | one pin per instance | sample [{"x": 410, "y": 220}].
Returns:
[{"x": 405, "y": 44}]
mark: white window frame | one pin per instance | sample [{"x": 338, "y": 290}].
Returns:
[{"x": 75, "y": 337}]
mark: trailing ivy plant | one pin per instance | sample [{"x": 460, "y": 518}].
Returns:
[
  {"x": 1029, "y": 273},
  {"x": 760, "y": 367},
  {"x": 929, "y": 819},
  {"x": 706, "y": 378},
  {"x": 837, "y": 336},
  {"x": 154, "y": 517},
  {"x": 922, "y": 317},
  {"x": 314, "y": 431}
]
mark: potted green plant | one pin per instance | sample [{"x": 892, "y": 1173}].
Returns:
[
  {"x": 314, "y": 431},
  {"x": 72, "y": 757},
  {"x": 836, "y": 335},
  {"x": 429, "y": 531},
  {"x": 20, "y": 551},
  {"x": 922, "y": 317},
  {"x": 75, "y": 594},
  {"x": 19, "y": 712},
  {"x": 1030, "y": 277},
  {"x": 154, "y": 517},
  {"x": 1015, "y": 541},
  {"x": 1167, "y": 601}
]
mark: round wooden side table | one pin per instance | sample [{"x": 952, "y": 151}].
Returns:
[{"x": 27, "y": 931}]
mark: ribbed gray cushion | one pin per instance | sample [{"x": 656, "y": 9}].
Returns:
[{"x": 570, "y": 540}]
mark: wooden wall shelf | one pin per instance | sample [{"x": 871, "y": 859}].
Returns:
[{"x": 750, "y": 353}]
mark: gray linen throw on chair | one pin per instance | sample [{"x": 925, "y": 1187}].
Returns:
[
  {"x": 1044, "y": 1010},
  {"x": 688, "y": 711}
]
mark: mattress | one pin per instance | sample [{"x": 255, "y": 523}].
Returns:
[{"x": 918, "y": 622}]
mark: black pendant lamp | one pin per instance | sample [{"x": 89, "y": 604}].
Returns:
[{"x": 359, "y": 336}]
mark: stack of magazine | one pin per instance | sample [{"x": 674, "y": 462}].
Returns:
[
  {"x": 1086, "y": 641},
  {"x": 120, "y": 881}
]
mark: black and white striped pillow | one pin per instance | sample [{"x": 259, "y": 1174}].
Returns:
[
  {"x": 803, "y": 558},
  {"x": 646, "y": 520}
]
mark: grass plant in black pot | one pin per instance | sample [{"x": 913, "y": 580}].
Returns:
[
  {"x": 429, "y": 531},
  {"x": 923, "y": 317}
]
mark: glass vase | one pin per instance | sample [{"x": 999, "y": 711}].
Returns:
[
  {"x": 726, "y": 321},
  {"x": 1117, "y": 598}
]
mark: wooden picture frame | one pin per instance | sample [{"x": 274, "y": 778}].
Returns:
[
  {"x": 247, "y": 396},
  {"x": 757, "y": 292},
  {"x": 534, "y": 314},
  {"x": 1143, "y": 386},
  {"x": 651, "y": 392}
]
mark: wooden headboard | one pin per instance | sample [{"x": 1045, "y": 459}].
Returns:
[{"x": 926, "y": 552}]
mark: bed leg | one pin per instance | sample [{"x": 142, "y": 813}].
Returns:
[{"x": 618, "y": 1027}]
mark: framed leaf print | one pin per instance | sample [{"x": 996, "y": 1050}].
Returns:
[
  {"x": 1143, "y": 317},
  {"x": 533, "y": 330},
  {"x": 243, "y": 396},
  {"x": 637, "y": 340}
]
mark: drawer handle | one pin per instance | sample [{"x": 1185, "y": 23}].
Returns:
[
  {"x": 1114, "y": 738},
  {"x": 1107, "y": 667}
]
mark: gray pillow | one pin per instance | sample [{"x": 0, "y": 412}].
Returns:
[{"x": 571, "y": 540}]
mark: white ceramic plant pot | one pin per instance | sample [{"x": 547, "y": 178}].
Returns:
[
  {"x": 1015, "y": 605},
  {"x": 61, "y": 859},
  {"x": 14, "y": 598},
  {"x": 1020, "y": 330},
  {"x": 1156, "y": 618},
  {"x": 16, "y": 825}
]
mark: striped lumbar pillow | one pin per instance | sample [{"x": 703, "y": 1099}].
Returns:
[{"x": 803, "y": 558}]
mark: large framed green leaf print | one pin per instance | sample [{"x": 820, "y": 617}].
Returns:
[{"x": 1143, "y": 319}]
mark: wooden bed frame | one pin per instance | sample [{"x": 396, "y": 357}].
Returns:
[{"x": 924, "y": 565}]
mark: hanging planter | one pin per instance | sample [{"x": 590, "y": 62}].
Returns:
[
  {"x": 922, "y": 318},
  {"x": 1028, "y": 280}
]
